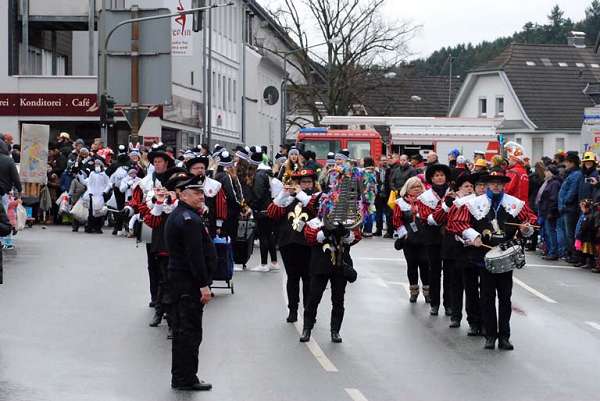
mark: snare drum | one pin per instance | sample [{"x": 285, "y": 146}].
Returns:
[{"x": 504, "y": 259}]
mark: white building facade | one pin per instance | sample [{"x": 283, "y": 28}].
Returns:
[{"x": 55, "y": 83}]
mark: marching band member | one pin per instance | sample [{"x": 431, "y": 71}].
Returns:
[
  {"x": 438, "y": 176},
  {"x": 214, "y": 195},
  {"x": 292, "y": 209},
  {"x": 489, "y": 220},
  {"x": 409, "y": 237},
  {"x": 451, "y": 248}
]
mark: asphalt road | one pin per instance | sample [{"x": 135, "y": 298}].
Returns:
[{"x": 75, "y": 327}]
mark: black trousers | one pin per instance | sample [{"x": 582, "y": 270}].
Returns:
[
  {"x": 418, "y": 265},
  {"x": 496, "y": 325},
  {"x": 297, "y": 268},
  {"x": 318, "y": 283},
  {"x": 157, "y": 274},
  {"x": 434, "y": 256},
  {"x": 470, "y": 275},
  {"x": 120, "y": 198},
  {"x": 94, "y": 224},
  {"x": 187, "y": 311},
  {"x": 265, "y": 230},
  {"x": 464, "y": 279}
]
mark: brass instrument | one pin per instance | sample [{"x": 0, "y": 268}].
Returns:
[{"x": 345, "y": 215}]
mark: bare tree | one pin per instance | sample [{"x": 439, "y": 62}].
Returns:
[{"x": 361, "y": 47}]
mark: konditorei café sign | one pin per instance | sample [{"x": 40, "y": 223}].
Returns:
[{"x": 54, "y": 104}]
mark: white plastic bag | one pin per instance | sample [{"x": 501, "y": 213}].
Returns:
[
  {"x": 63, "y": 204},
  {"x": 79, "y": 211},
  {"x": 21, "y": 217}
]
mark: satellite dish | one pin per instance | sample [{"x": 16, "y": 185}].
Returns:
[{"x": 271, "y": 95}]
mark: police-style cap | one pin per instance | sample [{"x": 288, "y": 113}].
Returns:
[{"x": 192, "y": 183}]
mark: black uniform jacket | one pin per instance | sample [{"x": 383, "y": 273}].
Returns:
[{"x": 190, "y": 245}]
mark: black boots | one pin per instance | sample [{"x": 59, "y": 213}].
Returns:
[
  {"x": 293, "y": 316},
  {"x": 305, "y": 337},
  {"x": 490, "y": 343},
  {"x": 426, "y": 294},
  {"x": 156, "y": 319},
  {"x": 201, "y": 386},
  {"x": 505, "y": 344},
  {"x": 335, "y": 336},
  {"x": 474, "y": 330},
  {"x": 414, "y": 293}
]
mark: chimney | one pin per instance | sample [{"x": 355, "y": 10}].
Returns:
[{"x": 576, "y": 39}]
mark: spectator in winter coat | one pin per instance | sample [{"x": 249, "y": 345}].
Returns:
[
  {"x": 401, "y": 173},
  {"x": 568, "y": 206},
  {"x": 547, "y": 209},
  {"x": 590, "y": 177}
]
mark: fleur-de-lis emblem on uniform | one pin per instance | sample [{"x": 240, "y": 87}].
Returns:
[{"x": 298, "y": 217}]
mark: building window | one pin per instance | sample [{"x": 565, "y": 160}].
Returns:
[
  {"x": 224, "y": 99},
  {"x": 234, "y": 96},
  {"x": 519, "y": 141},
  {"x": 499, "y": 106},
  {"x": 214, "y": 89},
  {"x": 482, "y": 106},
  {"x": 229, "y": 102},
  {"x": 560, "y": 144},
  {"x": 40, "y": 62},
  {"x": 219, "y": 99}
]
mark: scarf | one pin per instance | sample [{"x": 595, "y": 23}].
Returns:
[
  {"x": 440, "y": 190},
  {"x": 495, "y": 198}
]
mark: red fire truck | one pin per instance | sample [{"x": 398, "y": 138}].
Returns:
[{"x": 360, "y": 143}]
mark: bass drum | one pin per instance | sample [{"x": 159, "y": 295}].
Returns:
[{"x": 504, "y": 259}]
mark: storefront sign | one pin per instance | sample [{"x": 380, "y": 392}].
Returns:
[
  {"x": 34, "y": 154},
  {"x": 54, "y": 104},
  {"x": 184, "y": 111},
  {"x": 182, "y": 40}
]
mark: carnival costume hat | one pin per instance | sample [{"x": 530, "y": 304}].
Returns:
[
  {"x": 343, "y": 154},
  {"x": 514, "y": 151},
  {"x": 496, "y": 175},
  {"x": 159, "y": 150},
  {"x": 197, "y": 159},
  {"x": 454, "y": 152},
  {"x": 281, "y": 159},
  {"x": 472, "y": 178},
  {"x": 256, "y": 158},
  {"x": 225, "y": 159},
  {"x": 481, "y": 163},
  {"x": 304, "y": 173},
  {"x": 589, "y": 157},
  {"x": 243, "y": 152},
  {"x": 218, "y": 149},
  {"x": 330, "y": 159},
  {"x": 434, "y": 168}
]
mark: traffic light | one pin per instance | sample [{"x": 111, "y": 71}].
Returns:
[
  {"x": 109, "y": 110},
  {"x": 198, "y": 15}
]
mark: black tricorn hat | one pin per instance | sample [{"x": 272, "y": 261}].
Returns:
[
  {"x": 175, "y": 175},
  {"x": 160, "y": 150},
  {"x": 465, "y": 177},
  {"x": 434, "y": 168},
  {"x": 195, "y": 160}
]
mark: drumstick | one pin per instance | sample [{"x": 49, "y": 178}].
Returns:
[
  {"x": 515, "y": 224},
  {"x": 487, "y": 246}
]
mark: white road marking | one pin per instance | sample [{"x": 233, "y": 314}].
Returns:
[
  {"x": 312, "y": 345},
  {"x": 594, "y": 325},
  {"x": 551, "y": 266},
  {"x": 533, "y": 291},
  {"x": 355, "y": 394}
]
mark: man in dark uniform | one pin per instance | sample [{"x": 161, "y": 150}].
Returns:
[
  {"x": 489, "y": 220},
  {"x": 191, "y": 260}
]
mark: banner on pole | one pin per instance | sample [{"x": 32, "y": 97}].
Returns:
[
  {"x": 34, "y": 153},
  {"x": 182, "y": 40}
]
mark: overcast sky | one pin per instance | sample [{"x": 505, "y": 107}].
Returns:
[{"x": 450, "y": 22}]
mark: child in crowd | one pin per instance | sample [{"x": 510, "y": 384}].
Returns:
[{"x": 584, "y": 235}]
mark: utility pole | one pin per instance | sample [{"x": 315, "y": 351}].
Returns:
[
  {"x": 209, "y": 93},
  {"x": 135, "y": 75}
]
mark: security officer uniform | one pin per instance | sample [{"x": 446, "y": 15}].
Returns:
[{"x": 192, "y": 257}]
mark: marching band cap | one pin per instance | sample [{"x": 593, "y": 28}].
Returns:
[
  {"x": 242, "y": 153},
  {"x": 175, "y": 175},
  {"x": 190, "y": 183},
  {"x": 496, "y": 175},
  {"x": 225, "y": 159},
  {"x": 431, "y": 170},
  {"x": 256, "y": 158}
]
